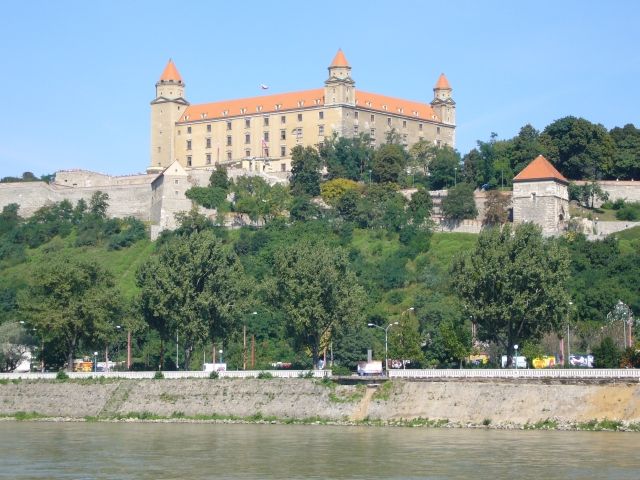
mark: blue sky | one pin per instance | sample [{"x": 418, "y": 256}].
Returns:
[{"x": 78, "y": 76}]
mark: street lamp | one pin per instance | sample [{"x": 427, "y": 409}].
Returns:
[
  {"x": 515, "y": 347},
  {"x": 220, "y": 352},
  {"x": 569, "y": 339},
  {"x": 386, "y": 341},
  {"x": 244, "y": 344},
  {"x": 455, "y": 176},
  {"x": 410, "y": 309},
  {"x": 95, "y": 362},
  {"x": 177, "y": 366}
]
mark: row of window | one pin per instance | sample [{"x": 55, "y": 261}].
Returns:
[
  {"x": 265, "y": 122},
  {"x": 247, "y": 153},
  {"x": 265, "y": 137}
]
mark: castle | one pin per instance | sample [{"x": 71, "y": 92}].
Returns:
[
  {"x": 254, "y": 136},
  {"x": 258, "y": 133}
]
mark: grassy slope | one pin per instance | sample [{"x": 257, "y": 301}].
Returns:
[{"x": 122, "y": 263}]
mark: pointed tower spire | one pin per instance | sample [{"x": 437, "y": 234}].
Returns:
[
  {"x": 442, "y": 83},
  {"x": 340, "y": 60},
  {"x": 170, "y": 73},
  {"x": 540, "y": 169}
]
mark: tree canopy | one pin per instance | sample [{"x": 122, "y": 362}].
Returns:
[{"x": 513, "y": 284}]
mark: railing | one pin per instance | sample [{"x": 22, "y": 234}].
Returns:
[
  {"x": 518, "y": 373},
  {"x": 170, "y": 374}
]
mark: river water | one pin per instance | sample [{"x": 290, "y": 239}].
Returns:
[{"x": 30, "y": 450}]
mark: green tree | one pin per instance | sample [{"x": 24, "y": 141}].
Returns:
[
  {"x": 495, "y": 208},
  {"x": 578, "y": 148},
  {"x": 333, "y": 190},
  {"x": 317, "y": 291},
  {"x": 607, "y": 354},
  {"x": 459, "y": 204},
  {"x": 305, "y": 171},
  {"x": 444, "y": 168},
  {"x": 14, "y": 345},
  {"x": 72, "y": 301},
  {"x": 389, "y": 163},
  {"x": 421, "y": 154},
  {"x": 626, "y": 161},
  {"x": 420, "y": 207},
  {"x": 194, "y": 287},
  {"x": 405, "y": 341},
  {"x": 514, "y": 283},
  {"x": 346, "y": 157},
  {"x": 219, "y": 178},
  {"x": 456, "y": 341}
]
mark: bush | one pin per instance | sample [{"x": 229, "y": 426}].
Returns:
[
  {"x": 214, "y": 375},
  {"x": 62, "y": 375},
  {"x": 629, "y": 212},
  {"x": 340, "y": 370},
  {"x": 265, "y": 375},
  {"x": 158, "y": 375}
]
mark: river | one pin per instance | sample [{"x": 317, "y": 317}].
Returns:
[{"x": 30, "y": 450}]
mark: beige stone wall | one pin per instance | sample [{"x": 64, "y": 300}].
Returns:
[
  {"x": 628, "y": 190},
  {"x": 545, "y": 203}
]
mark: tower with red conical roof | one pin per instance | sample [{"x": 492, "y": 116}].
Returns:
[
  {"x": 339, "y": 88},
  {"x": 541, "y": 196},
  {"x": 166, "y": 109},
  {"x": 443, "y": 104}
]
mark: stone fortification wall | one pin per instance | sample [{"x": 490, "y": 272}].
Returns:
[
  {"x": 545, "y": 203},
  {"x": 628, "y": 190},
  {"x": 85, "y": 178},
  {"x": 124, "y": 199},
  {"x": 513, "y": 403}
]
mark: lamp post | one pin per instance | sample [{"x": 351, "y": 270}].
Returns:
[
  {"x": 455, "y": 176},
  {"x": 386, "y": 342},
  {"x": 569, "y": 339},
  {"x": 244, "y": 344},
  {"x": 177, "y": 353},
  {"x": 410, "y": 309},
  {"x": 515, "y": 347},
  {"x": 95, "y": 362},
  {"x": 369, "y": 176},
  {"x": 220, "y": 352}
]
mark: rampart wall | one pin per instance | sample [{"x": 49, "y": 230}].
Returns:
[{"x": 628, "y": 190}]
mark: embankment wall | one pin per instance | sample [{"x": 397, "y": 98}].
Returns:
[{"x": 503, "y": 402}]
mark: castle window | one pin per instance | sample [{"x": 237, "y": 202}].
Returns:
[
  {"x": 266, "y": 136},
  {"x": 404, "y": 139},
  {"x": 355, "y": 114},
  {"x": 188, "y": 129},
  {"x": 420, "y": 126},
  {"x": 208, "y": 143},
  {"x": 283, "y": 119},
  {"x": 228, "y": 140},
  {"x": 321, "y": 115},
  {"x": 372, "y": 133},
  {"x": 228, "y": 125},
  {"x": 247, "y": 138},
  {"x": 283, "y": 134},
  {"x": 229, "y": 155},
  {"x": 404, "y": 124},
  {"x": 389, "y": 121},
  {"x": 283, "y": 151},
  {"x": 188, "y": 160},
  {"x": 247, "y": 153},
  {"x": 266, "y": 121},
  {"x": 208, "y": 128},
  {"x": 176, "y": 192},
  {"x": 373, "y": 118},
  {"x": 247, "y": 123},
  {"x": 355, "y": 129},
  {"x": 321, "y": 130},
  {"x": 283, "y": 167},
  {"x": 208, "y": 157},
  {"x": 188, "y": 144},
  {"x": 438, "y": 143},
  {"x": 176, "y": 181},
  {"x": 438, "y": 130},
  {"x": 299, "y": 117}
]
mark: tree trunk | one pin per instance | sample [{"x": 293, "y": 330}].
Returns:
[
  {"x": 161, "y": 355},
  {"x": 70, "y": 354}
]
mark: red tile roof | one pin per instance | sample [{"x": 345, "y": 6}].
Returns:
[
  {"x": 442, "y": 82},
  {"x": 540, "y": 169},
  {"x": 301, "y": 100},
  {"x": 170, "y": 73},
  {"x": 339, "y": 60}
]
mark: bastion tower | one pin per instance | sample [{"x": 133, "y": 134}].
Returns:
[
  {"x": 166, "y": 109},
  {"x": 541, "y": 196}
]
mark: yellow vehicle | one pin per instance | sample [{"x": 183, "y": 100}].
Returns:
[
  {"x": 83, "y": 365},
  {"x": 544, "y": 362}
]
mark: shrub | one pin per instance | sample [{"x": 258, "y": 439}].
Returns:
[
  {"x": 62, "y": 375},
  {"x": 265, "y": 375},
  {"x": 213, "y": 375},
  {"x": 629, "y": 212},
  {"x": 158, "y": 375},
  {"x": 340, "y": 370}
]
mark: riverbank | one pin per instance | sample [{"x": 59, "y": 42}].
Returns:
[{"x": 449, "y": 404}]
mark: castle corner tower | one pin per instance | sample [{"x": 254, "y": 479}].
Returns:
[
  {"x": 166, "y": 109},
  {"x": 339, "y": 87},
  {"x": 541, "y": 196},
  {"x": 443, "y": 105}
]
